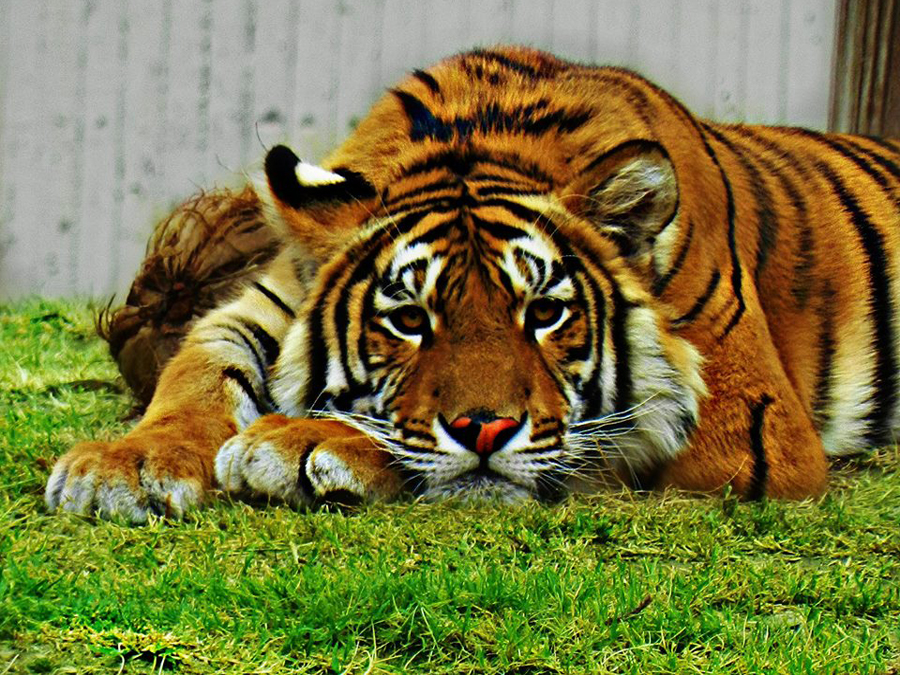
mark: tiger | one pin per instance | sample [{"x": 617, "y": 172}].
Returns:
[{"x": 522, "y": 277}]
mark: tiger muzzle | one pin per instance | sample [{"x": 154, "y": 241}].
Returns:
[{"x": 482, "y": 432}]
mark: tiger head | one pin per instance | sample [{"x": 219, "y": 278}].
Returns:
[{"x": 488, "y": 324}]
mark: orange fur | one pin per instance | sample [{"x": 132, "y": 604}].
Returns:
[{"x": 770, "y": 252}]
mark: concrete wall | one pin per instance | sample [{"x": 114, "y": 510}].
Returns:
[{"x": 111, "y": 111}]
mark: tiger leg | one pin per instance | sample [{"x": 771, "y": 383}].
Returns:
[
  {"x": 754, "y": 433},
  {"x": 300, "y": 460},
  {"x": 214, "y": 386}
]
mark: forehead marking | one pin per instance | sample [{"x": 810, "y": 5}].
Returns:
[{"x": 408, "y": 255}]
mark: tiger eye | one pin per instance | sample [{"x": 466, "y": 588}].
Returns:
[{"x": 544, "y": 313}]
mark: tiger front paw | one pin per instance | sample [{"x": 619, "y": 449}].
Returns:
[
  {"x": 127, "y": 479},
  {"x": 300, "y": 461}
]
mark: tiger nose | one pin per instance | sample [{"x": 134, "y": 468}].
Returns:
[{"x": 483, "y": 433}]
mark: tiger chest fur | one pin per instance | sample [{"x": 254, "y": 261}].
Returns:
[{"x": 521, "y": 277}]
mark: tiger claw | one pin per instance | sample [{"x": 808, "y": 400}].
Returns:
[{"x": 93, "y": 479}]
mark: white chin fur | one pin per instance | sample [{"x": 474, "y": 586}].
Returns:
[{"x": 478, "y": 489}]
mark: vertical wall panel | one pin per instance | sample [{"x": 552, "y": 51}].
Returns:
[
  {"x": 615, "y": 26},
  {"x": 317, "y": 79},
  {"x": 25, "y": 145},
  {"x": 95, "y": 244},
  {"x": 359, "y": 66},
  {"x": 811, "y": 43},
  {"x": 406, "y": 20},
  {"x": 232, "y": 39},
  {"x": 144, "y": 194},
  {"x": 763, "y": 58},
  {"x": 5, "y": 100},
  {"x": 274, "y": 73},
  {"x": 654, "y": 39},
  {"x": 569, "y": 20},
  {"x": 484, "y": 33},
  {"x": 112, "y": 111},
  {"x": 57, "y": 117},
  {"x": 694, "y": 81},
  {"x": 532, "y": 22}
]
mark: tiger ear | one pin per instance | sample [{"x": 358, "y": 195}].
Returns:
[
  {"x": 315, "y": 207},
  {"x": 629, "y": 193}
]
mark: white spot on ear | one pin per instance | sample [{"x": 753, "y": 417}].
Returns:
[{"x": 310, "y": 174}]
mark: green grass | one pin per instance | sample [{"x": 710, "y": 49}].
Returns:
[{"x": 614, "y": 583}]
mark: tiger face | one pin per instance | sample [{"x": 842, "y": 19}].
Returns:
[{"x": 481, "y": 329}]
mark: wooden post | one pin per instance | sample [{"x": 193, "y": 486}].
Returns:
[{"x": 865, "y": 96}]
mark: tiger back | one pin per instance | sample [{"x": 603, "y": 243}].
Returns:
[{"x": 520, "y": 277}]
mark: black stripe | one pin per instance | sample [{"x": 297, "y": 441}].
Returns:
[
  {"x": 498, "y": 230},
  {"x": 622, "y": 346},
  {"x": 736, "y": 275},
  {"x": 378, "y": 328},
  {"x": 766, "y": 221},
  {"x": 491, "y": 119},
  {"x": 367, "y": 312},
  {"x": 341, "y": 311},
  {"x": 635, "y": 96},
  {"x": 516, "y": 66},
  {"x": 889, "y": 166},
  {"x": 462, "y": 161},
  {"x": 549, "y": 432},
  {"x": 270, "y": 345},
  {"x": 849, "y": 154},
  {"x": 316, "y": 346},
  {"x": 565, "y": 121},
  {"x": 407, "y": 433},
  {"x": 881, "y": 308},
  {"x": 822, "y": 399},
  {"x": 506, "y": 190},
  {"x": 888, "y": 144},
  {"x": 303, "y": 475},
  {"x": 694, "y": 311},
  {"x": 258, "y": 358},
  {"x": 757, "y": 487},
  {"x": 518, "y": 210},
  {"x": 243, "y": 382},
  {"x": 396, "y": 227},
  {"x": 640, "y": 145},
  {"x": 661, "y": 283},
  {"x": 434, "y": 234},
  {"x": 424, "y": 124},
  {"x": 428, "y": 81},
  {"x": 805, "y": 258},
  {"x": 804, "y": 266},
  {"x": 278, "y": 302},
  {"x": 430, "y": 188}
]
